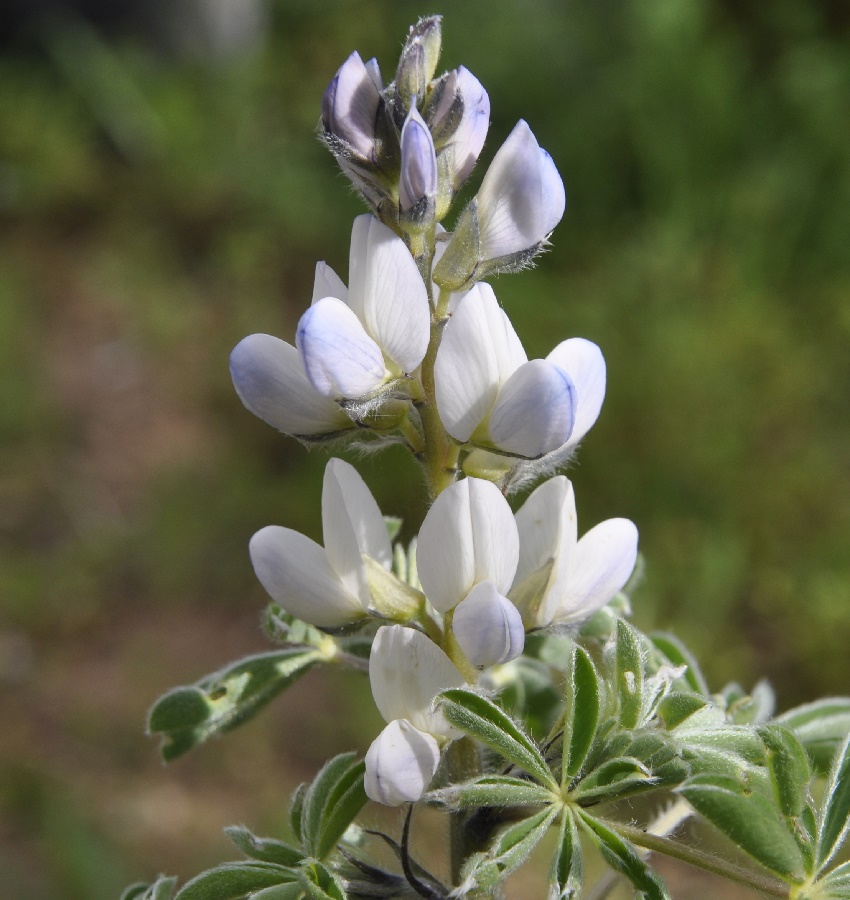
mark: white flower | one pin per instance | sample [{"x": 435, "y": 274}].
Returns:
[
  {"x": 583, "y": 361},
  {"x": 584, "y": 575},
  {"x": 378, "y": 329},
  {"x": 488, "y": 392},
  {"x": 350, "y": 105},
  {"x": 270, "y": 380},
  {"x": 488, "y": 627},
  {"x": 400, "y": 764},
  {"x": 521, "y": 198},
  {"x": 326, "y": 586},
  {"x": 407, "y": 670},
  {"x": 418, "y": 179},
  {"x": 468, "y": 536}
]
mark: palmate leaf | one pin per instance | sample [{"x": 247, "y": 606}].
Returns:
[
  {"x": 188, "y": 716},
  {"x": 567, "y": 877},
  {"x": 821, "y": 726},
  {"x": 493, "y": 791},
  {"x": 234, "y": 881},
  {"x": 510, "y": 849},
  {"x": 481, "y": 719},
  {"x": 263, "y": 849},
  {"x": 630, "y": 674},
  {"x": 788, "y": 766},
  {"x": 749, "y": 819},
  {"x": 834, "y": 817},
  {"x": 581, "y": 715},
  {"x": 623, "y": 858},
  {"x": 161, "y": 889},
  {"x": 330, "y": 803}
]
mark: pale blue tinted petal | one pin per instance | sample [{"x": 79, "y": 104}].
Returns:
[
  {"x": 341, "y": 545},
  {"x": 400, "y": 764},
  {"x": 554, "y": 197},
  {"x": 603, "y": 560},
  {"x": 270, "y": 380},
  {"x": 479, "y": 350},
  {"x": 583, "y": 361},
  {"x": 488, "y": 627},
  {"x": 547, "y": 525},
  {"x": 340, "y": 359},
  {"x": 296, "y": 573},
  {"x": 327, "y": 283},
  {"x": 350, "y": 105},
  {"x": 534, "y": 411},
  {"x": 353, "y": 501},
  {"x": 387, "y": 293},
  {"x": 418, "y": 180},
  {"x": 406, "y": 671},
  {"x": 469, "y": 535},
  {"x": 469, "y": 137}
]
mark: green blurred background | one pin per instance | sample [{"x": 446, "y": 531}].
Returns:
[{"x": 162, "y": 195}]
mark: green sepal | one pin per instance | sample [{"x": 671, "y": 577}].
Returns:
[
  {"x": 567, "y": 877},
  {"x": 679, "y": 655},
  {"x": 821, "y": 726},
  {"x": 630, "y": 668},
  {"x": 330, "y": 804},
  {"x": 581, "y": 714},
  {"x": 492, "y": 790},
  {"x": 392, "y": 598},
  {"x": 268, "y": 850},
  {"x": 482, "y": 719},
  {"x": 233, "y": 881},
  {"x": 188, "y": 716},
  {"x": 623, "y": 858},
  {"x": 834, "y": 817},
  {"x": 161, "y": 889},
  {"x": 510, "y": 849},
  {"x": 612, "y": 779},
  {"x": 788, "y": 766},
  {"x": 393, "y": 524},
  {"x": 749, "y": 819}
]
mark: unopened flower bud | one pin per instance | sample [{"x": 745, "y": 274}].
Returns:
[
  {"x": 459, "y": 116},
  {"x": 418, "y": 182},
  {"x": 349, "y": 107},
  {"x": 400, "y": 764},
  {"x": 418, "y": 62},
  {"x": 488, "y": 627}
]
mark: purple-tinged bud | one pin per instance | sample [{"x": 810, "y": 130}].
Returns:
[
  {"x": 350, "y": 106},
  {"x": 418, "y": 182},
  {"x": 459, "y": 118}
]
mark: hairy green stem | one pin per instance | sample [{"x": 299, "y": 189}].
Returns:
[
  {"x": 462, "y": 763},
  {"x": 769, "y": 886}
]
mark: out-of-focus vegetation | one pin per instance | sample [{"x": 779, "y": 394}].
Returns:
[{"x": 154, "y": 210}]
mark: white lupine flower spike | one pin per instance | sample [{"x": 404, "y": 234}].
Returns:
[
  {"x": 585, "y": 574},
  {"x": 489, "y": 393},
  {"x": 326, "y": 586}
]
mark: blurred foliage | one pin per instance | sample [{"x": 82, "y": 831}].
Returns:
[{"x": 155, "y": 210}]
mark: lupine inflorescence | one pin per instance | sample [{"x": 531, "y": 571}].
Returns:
[{"x": 516, "y": 694}]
